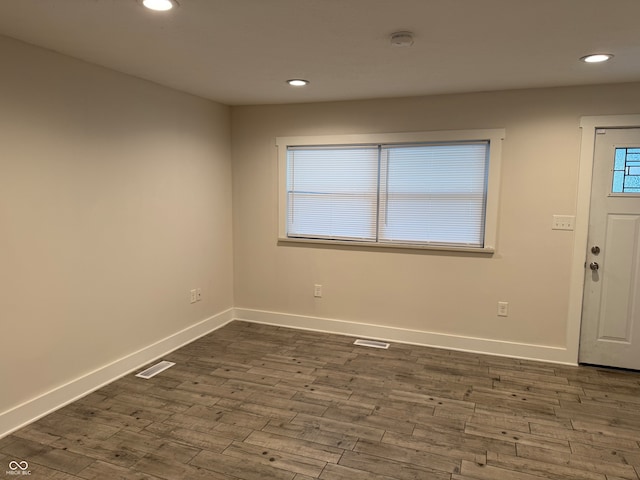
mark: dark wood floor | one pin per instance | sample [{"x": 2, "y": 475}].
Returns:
[{"x": 258, "y": 402}]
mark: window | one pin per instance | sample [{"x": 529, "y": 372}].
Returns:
[
  {"x": 626, "y": 171},
  {"x": 421, "y": 190}
]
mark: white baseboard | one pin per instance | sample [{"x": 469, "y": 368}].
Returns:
[
  {"x": 21, "y": 415},
  {"x": 415, "y": 337},
  {"x": 30, "y": 411}
]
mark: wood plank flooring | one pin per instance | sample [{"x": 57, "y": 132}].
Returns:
[{"x": 257, "y": 402}]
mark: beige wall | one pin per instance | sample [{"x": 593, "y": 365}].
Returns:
[
  {"x": 115, "y": 201},
  {"x": 426, "y": 291}
]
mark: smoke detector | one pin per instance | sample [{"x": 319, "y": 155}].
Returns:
[{"x": 402, "y": 39}]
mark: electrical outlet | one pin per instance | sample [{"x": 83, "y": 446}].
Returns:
[
  {"x": 503, "y": 309},
  {"x": 199, "y": 294},
  {"x": 563, "y": 222},
  {"x": 193, "y": 296},
  {"x": 317, "y": 290}
]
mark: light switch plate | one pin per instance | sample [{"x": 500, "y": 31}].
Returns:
[{"x": 563, "y": 222}]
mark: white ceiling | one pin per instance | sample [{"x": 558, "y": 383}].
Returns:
[{"x": 241, "y": 52}]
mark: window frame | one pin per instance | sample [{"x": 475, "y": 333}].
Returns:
[{"x": 493, "y": 136}]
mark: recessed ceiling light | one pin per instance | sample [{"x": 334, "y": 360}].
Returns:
[
  {"x": 597, "y": 57},
  {"x": 401, "y": 39},
  {"x": 298, "y": 82},
  {"x": 160, "y": 5}
]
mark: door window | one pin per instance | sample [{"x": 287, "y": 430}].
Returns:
[{"x": 626, "y": 170}]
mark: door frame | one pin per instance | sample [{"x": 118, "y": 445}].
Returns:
[{"x": 588, "y": 124}]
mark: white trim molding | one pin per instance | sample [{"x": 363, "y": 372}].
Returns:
[
  {"x": 36, "y": 408},
  {"x": 413, "y": 337},
  {"x": 585, "y": 170},
  {"x": 494, "y": 136},
  {"x": 31, "y": 410}
]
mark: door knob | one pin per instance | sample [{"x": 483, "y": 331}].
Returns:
[
  {"x": 594, "y": 266},
  {"x": 595, "y": 250}
]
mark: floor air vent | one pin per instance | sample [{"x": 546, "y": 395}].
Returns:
[
  {"x": 371, "y": 343},
  {"x": 155, "y": 369}
]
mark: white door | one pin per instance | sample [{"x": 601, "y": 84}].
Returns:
[{"x": 610, "y": 332}]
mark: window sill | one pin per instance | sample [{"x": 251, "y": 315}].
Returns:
[{"x": 392, "y": 246}]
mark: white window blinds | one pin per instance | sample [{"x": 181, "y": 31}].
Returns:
[
  {"x": 433, "y": 194},
  {"x": 332, "y": 192}
]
